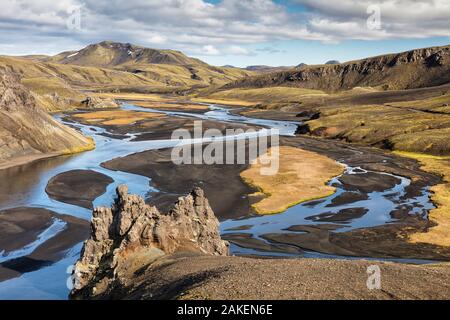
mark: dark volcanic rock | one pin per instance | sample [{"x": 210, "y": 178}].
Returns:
[
  {"x": 343, "y": 215},
  {"x": 132, "y": 234},
  {"x": 303, "y": 129}
]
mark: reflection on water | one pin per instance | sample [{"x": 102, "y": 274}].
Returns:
[{"x": 18, "y": 182}]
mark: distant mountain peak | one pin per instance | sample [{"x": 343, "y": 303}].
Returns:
[{"x": 111, "y": 54}]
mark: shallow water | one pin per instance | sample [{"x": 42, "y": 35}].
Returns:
[
  {"x": 26, "y": 187},
  {"x": 378, "y": 205}
]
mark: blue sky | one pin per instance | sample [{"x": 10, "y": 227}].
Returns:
[
  {"x": 232, "y": 32},
  {"x": 294, "y": 52}
]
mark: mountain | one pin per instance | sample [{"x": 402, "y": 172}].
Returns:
[
  {"x": 159, "y": 68},
  {"x": 332, "y": 62},
  {"x": 108, "y": 54},
  {"x": 27, "y": 132},
  {"x": 407, "y": 70},
  {"x": 62, "y": 81}
]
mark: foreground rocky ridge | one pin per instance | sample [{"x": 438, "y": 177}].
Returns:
[
  {"x": 27, "y": 132},
  {"x": 135, "y": 252},
  {"x": 132, "y": 234}
]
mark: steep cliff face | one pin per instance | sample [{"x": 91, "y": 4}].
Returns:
[
  {"x": 413, "y": 69},
  {"x": 131, "y": 234},
  {"x": 28, "y": 132}
]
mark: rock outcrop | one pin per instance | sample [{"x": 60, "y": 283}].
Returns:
[
  {"x": 97, "y": 103},
  {"x": 131, "y": 235},
  {"x": 26, "y": 130}
]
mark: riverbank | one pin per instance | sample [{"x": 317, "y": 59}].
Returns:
[{"x": 33, "y": 238}]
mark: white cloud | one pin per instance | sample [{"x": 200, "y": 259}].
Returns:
[
  {"x": 225, "y": 28},
  {"x": 347, "y": 19},
  {"x": 210, "y": 50},
  {"x": 237, "y": 50}
]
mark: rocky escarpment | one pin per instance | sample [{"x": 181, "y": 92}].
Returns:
[
  {"x": 27, "y": 132},
  {"x": 131, "y": 235},
  {"x": 412, "y": 69}
]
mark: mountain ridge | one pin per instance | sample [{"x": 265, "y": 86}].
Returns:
[
  {"x": 418, "y": 68},
  {"x": 112, "y": 54}
]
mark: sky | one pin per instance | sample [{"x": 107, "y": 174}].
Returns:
[{"x": 229, "y": 32}]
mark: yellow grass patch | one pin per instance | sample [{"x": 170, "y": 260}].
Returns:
[
  {"x": 440, "y": 234},
  {"x": 302, "y": 176},
  {"x": 89, "y": 146},
  {"x": 116, "y": 117}
]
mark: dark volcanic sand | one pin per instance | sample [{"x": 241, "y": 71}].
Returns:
[
  {"x": 161, "y": 128},
  {"x": 21, "y": 226},
  {"x": 368, "y": 182},
  {"x": 344, "y": 215},
  {"x": 347, "y": 197},
  {"x": 164, "y": 131},
  {"x": 78, "y": 187},
  {"x": 246, "y": 240},
  {"x": 172, "y": 106},
  {"x": 385, "y": 241},
  {"x": 225, "y": 190},
  {"x": 222, "y": 184}
]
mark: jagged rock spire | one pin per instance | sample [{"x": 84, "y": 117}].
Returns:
[{"x": 132, "y": 234}]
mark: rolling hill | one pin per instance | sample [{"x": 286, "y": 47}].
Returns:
[
  {"x": 110, "y": 54},
  {"x": 62, "y": 81},
  {"x": 27, "y": 132},
  {"x": 162, "y": 67}
]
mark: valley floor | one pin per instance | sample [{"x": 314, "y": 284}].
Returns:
[{"x": 189, "y": 276}]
